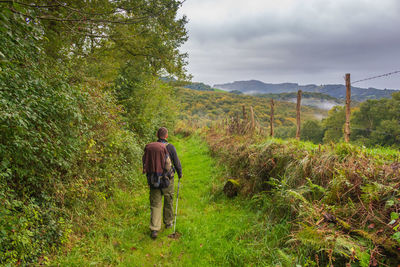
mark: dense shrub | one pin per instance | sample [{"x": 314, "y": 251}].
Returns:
[
  {"x": 62, "y": 147},
  {"x": 40, "y": 117}
]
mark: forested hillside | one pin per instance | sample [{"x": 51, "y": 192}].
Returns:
[
  {"x": 204, "y": 107},
  {"x": 374, "y": 122},
  {"x": 79, "y": 96}
]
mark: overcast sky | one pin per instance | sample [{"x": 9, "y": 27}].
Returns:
[{"x": 304, "y": 41}]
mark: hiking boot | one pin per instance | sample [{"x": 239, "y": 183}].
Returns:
[
  {"x": 154, "y": 234},
  {"x": 167, "y": 226}
]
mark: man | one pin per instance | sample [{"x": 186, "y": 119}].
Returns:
[{"x": 155, "y": 159}]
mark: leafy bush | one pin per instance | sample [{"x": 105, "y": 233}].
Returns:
[
  {"x": 377, "y": 122},
  {"x": 40, "y": 115},
  {"x": 29, "y": 229},
  {"x": 149, "y": 103},
  {"x": 313, "y": 131},
  {"x": 39, "y": 137},
  {"x": 62, "y": 147}
]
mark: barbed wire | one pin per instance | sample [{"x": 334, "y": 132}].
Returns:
[{"x": 378, "y": 76}]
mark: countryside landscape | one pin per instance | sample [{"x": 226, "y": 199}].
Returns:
[{"x": 295, "y": 169}]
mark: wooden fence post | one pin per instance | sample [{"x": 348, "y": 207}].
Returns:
[
  {"x": 271, "y": 120},
  {"x": 237, "y": 123},
  {"x": 348, "y": 100},
  {"x": 252, "y": 119},
  {"x": 298, "y": 114},
  {"x": 244, "y": 113}
]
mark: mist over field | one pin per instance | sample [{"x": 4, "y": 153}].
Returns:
[{"x": 318, "y": 103}]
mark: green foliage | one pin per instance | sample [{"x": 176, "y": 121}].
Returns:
[
  {"x": 149, "y": 105},
  {"x": 286, "y": 132},
  {"x": 199, "y": 87},
  {"x": 313, "y": 131},
  {"x": 334, "y": 124},
  {"x": 41, "y": 121},
  {"x": 63, "y": 145},
  {"x": 96, "y": 38},
  {"x": 377, "y": 122},
  {"x": 29, "y": 229},
  {"x": 79, "y": 95},
  {"x": 373, "y": 123},
  {"x": 40, "y": 116},
  {"x": 202, "y": 107}
]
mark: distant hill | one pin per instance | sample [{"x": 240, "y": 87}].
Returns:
[
  {"x": 334, "y": 90},
  {"x": 199, "y": 87}
]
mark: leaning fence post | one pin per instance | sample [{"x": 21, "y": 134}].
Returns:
[
  {"x": 298, "y": 114},
  {"x": 252, "y": 119}
]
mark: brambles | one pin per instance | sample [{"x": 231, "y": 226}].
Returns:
[{"x": 341, "y": 198}]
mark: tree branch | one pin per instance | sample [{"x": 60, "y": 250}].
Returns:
[
  {"x": 29, "y": 5},
  {"x": 82, "y": 20}
]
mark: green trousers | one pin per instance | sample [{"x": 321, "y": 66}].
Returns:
[{"x": 156, "y": 205}]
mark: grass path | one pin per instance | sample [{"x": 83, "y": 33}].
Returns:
[{"x": 216, "y": 231}]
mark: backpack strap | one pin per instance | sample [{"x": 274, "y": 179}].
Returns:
[{"x": 172, "y": 162}]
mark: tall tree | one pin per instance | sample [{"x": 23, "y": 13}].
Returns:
[{"x": 115, "y": 32}]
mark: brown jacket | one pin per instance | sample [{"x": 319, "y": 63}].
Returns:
[{"x": 154, "y": 158}]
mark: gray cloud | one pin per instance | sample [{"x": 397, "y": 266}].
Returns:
[{"x": 308, "y": 41}]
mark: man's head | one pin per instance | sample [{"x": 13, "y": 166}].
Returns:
[{"x": 162, "y": 133}]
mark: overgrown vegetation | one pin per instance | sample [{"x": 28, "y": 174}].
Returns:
[
  {"x": 342, "y": 200},
  {"x": 79, "y": 95}
]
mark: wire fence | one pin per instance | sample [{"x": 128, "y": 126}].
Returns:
[
  {"x": 367, "y": 131},
  {"x": 376, "y": 77}
]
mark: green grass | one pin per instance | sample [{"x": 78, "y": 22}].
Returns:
[{"x": 216, "y": 231}]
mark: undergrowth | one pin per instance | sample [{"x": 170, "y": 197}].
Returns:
[{"x": 341, "y": 200}]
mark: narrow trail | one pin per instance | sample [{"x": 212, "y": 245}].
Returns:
[{"x": 216, "y": 231}]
